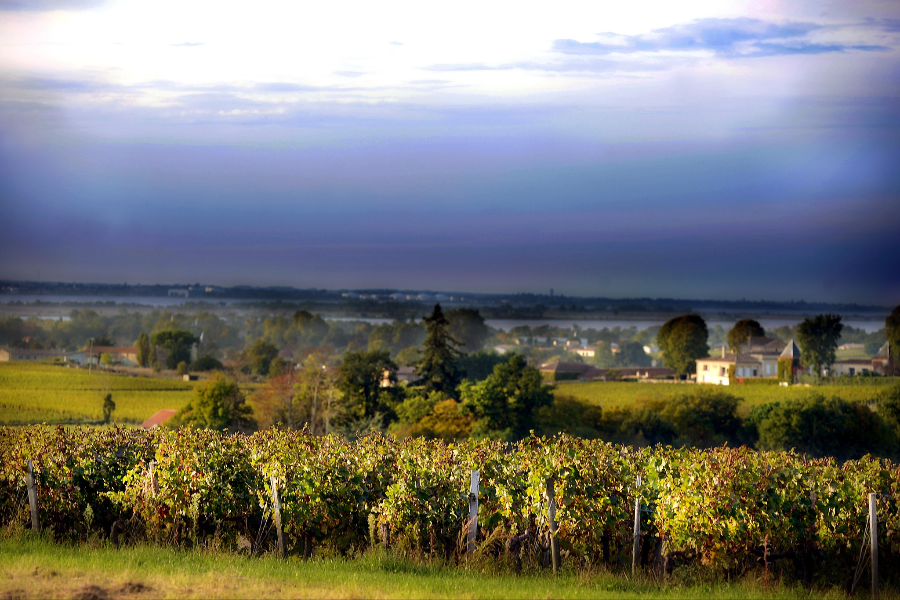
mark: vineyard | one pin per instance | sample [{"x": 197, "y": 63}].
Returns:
[
  {"x": 725, "y": 509},
  {"x": 625, "y": 394},
  {"x": 36, "y": 393}
]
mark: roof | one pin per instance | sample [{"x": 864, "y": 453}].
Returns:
[
  {"x": 565, "y": 367},
  {"x": 36, "y": 351},
  {"x": 728, "y": 358},
  {"x": 113, "y": 349},
  {"x": 762, "y": 341},
  {"x": 854, "y": 361},
  {"x": 790, "y": 351},
  {"x": 159, "y": 418},
  {"x": 733, "y": 359},
  {"x": 884, "y": 351}
]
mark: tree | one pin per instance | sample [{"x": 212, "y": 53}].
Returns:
[
  {"x": 631, "y": 354},
  {"x": 100, "y": 340},
  {"x": 315, "y": 390},
  {"x": 703, "y": 419},
  {"x": 217, "y": 404},
  {"x": 143, "y": 350},
  {"x": 437, "y": 368},
  {"x": 207, "y": 363},
  {"x": 818, "y": 339},
  {"x": 682, "y": 341},
  {"x": 108, "y": 407},
  {"x": 106, "y": 359},
  {"x": 177, "y": 343},
  {"x": 479, "y": 365},
  {"x": 467, "y": 326},
  {"x": 505, "y": 404},
  {"x": 892, "y": 329},
  {"x": 742, "y": 331},
  {"x": 365, "y": 378},
  {"x": 259, "y": 356}
]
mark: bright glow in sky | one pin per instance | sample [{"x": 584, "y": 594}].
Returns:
[{"x": 605, "y": 148}]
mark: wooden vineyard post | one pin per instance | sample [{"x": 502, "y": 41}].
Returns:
[
  {"x": 32, "y": 498},
  {"x": 551, "y": 518},
  {"x": 473, "y": 514},
  {"x": 154, "y": 479},
  {"x": 873, "y": 536},
  {"x": 276, "y": 507},
  {"x": 636, "y": 546}
]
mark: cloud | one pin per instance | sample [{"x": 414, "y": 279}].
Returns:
[
  {"x": 350, "y": 73},
  {"x": 743, "y": 37},
  {"x": 188, "y": 44},
  {"x": 48, "y": 5},
  {"x": 396, "y": 43}
]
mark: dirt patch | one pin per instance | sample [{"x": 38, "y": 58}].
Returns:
[
  {"x": 134, "y": 587},
  {"x": 13, "y": 595},
  {"x": 91, "y": 592}
]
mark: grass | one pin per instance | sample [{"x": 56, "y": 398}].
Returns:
[
  {"x": 627, "y": 393},
  {"x": 34, "y": 568},
  {"x": 40, "y": 393}
]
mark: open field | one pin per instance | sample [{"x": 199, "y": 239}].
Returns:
[
  {"x": 36, "y": 393},
  {"x": 34, "y": 568},
  {"x": 626, "y": 393}
]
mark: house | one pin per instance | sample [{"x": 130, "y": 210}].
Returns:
[
  {"x": 851, "y": 346},
  {"x": 121, "y": 355},
  {"x": 758, "y": 358},
  {"x": 587, "y": 351},
  {"x": 406, "y": 373},
  {"x": 883, "y": 361},
  {"x": 851, "y": 367},
  {"x": 562, "y": 371},
  {"x": 15, "y": 354}
]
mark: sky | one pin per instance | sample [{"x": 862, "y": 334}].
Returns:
[{"x": 690, "y": 149}]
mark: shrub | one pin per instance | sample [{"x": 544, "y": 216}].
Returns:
[{"x": 821, "y": 426}]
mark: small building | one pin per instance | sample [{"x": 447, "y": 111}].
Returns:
[
  {"x": 563, "y": 371},
  {"x": 851, "y": 367},
  {"x": 120, "y": 355},
  {"x": 17, "y": 354},
  {"x": 586, "y": 351},
  {"x": 406, "y": 374}
]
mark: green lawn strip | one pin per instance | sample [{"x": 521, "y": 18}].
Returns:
[
  {"x": 37, "y": 393},
  {"x": 625, "y": 393},
  {"x": 38, "y": 568}
]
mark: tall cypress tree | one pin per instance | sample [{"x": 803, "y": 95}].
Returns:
[
  {"x": 143, "y": 350},
  {"x": 437, "y": 369}
]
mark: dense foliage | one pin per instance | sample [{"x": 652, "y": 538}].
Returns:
[
  {"x": 723, "y": 506},
  {"x": 682, "y": 341},
  {"x": 742, "y": 331},
  {"x": 818, "y": 338}
]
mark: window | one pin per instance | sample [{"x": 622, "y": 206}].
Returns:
[
  {"x": 706, "y": 367},
  {"x": 754, "y": 373}
]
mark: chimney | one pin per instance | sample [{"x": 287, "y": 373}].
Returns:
[{"x": 723, "y": 350}]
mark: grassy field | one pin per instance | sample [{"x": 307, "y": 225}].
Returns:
[
  {"x": 36, "y": 393},
  {"x": 627, "y": 393},
  {"x": 39, "y": 569}
]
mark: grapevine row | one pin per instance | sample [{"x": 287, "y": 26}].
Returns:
[{"x": 725, "y": 507}]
